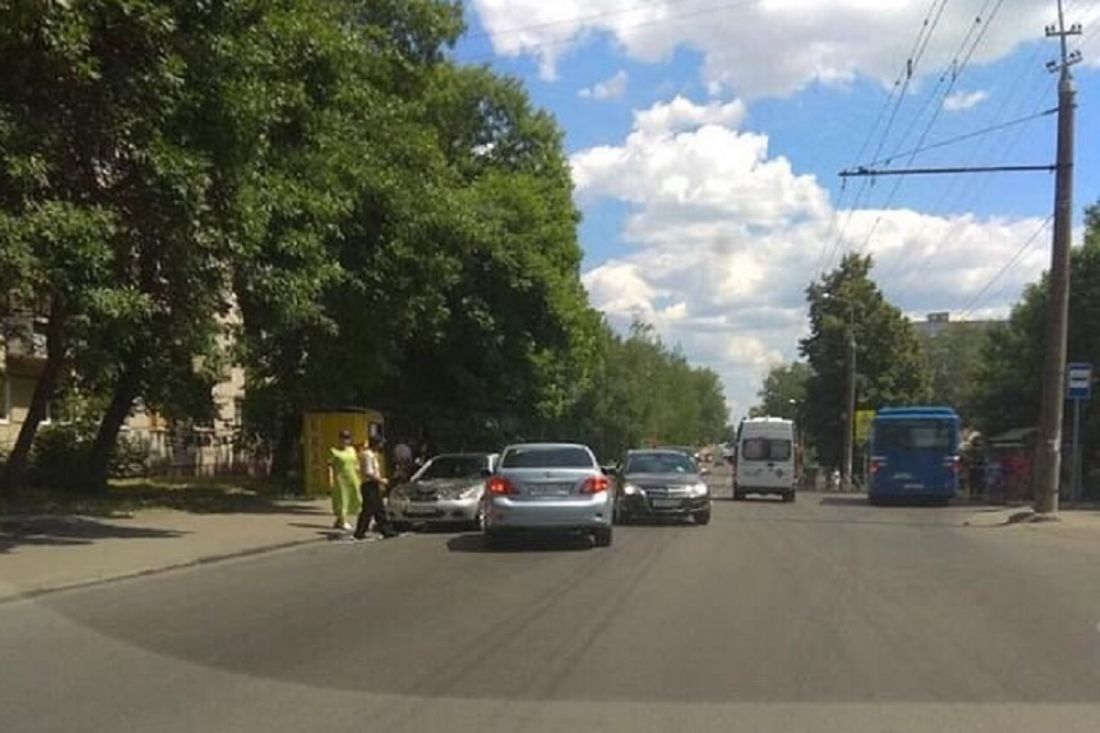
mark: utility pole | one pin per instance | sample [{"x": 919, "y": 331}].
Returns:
[
  {"x": 1048, "y": 452},
  {"x": 849, "y": 404}
]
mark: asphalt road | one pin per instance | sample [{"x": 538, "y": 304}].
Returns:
[{"x": 823, "y": 615}]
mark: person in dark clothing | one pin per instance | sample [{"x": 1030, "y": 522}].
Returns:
[{"x": 371, "y": 490}]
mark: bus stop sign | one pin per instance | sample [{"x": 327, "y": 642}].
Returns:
[{"x": 1078, "y": 381}]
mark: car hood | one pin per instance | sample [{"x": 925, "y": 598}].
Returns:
[
  {"x": 663, "y": 479},
  {"x": 443, "y": 486}
]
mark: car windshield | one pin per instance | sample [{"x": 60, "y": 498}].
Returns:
[
  {"x": 766, "y": 449},
  {"x": 547, "y": 457},
  {"x": 659, "y": 463},
  {"x": 445, "y": 467},
  {"x": 935, "y": 436}
]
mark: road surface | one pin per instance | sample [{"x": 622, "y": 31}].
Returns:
[{"x": 823, "y": 615}]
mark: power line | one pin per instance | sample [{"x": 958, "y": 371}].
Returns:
[
  {"x": 973, "y": 194},
  {"x": 901, "y": 85},
  {"x": 960, "y": 138},
  {"x": 956, "y": 71},
  {"x": 1019, "y": 252}
]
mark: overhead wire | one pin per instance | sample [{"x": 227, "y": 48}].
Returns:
[
  {"x": 979, "y": 190},
  {"x": 969, "y": 307},
  {"x": 973, "y": 193},
  {"x": 901, "y": 85},
  {"x": 956, "y": 70}
]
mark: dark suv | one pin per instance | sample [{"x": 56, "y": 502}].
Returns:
[{"x": 661, "y": 482}]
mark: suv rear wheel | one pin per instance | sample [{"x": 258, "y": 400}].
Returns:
[{"x": 702, "y": 517}]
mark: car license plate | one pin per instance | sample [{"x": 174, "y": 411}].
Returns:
[
  {"x": 665, "y": 503},
  {"x": 550, "y": 490},
  {"x": 421, "y": 511}
]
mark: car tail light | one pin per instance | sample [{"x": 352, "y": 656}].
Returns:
[
  {"x": 953, "y": 463},
  {"x": 877, "y": 464},
  {"x": 501, "y": 486},
  {"x": 595, "y": 485}
]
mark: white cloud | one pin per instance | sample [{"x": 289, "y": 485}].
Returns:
[
  {"x": 961, "y": 101},
  {"x": 760, "y": 47},
  {"x": 613, "y": 87},
  {"x": 725, "y": 237}
]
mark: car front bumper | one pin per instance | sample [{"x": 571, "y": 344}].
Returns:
[
  {"x": 640, "y": 505},
  {"x": 400, "y": 509},
  {"x": 586, "y": 513}
]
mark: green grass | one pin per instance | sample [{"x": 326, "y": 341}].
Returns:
[{"x": 124, "y": 497}]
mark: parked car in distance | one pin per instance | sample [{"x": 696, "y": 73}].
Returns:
[
  {"x": 656, "y": 482},
  {"x": 547, "y": 487},
  {"x": 446, "y": 489}
]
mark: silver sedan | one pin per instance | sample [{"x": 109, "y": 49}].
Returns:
[
  {"x": 548, "y": 486},
  {"x": 447, "y": 489}
]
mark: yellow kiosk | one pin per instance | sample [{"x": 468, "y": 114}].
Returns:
[{"x": 321, "y": 431}]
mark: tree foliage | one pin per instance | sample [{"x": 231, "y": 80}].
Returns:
[
  {"x": 955, "y": 356},
  {"x": 891, "y": 366},
  {"x": 644, "y": 393},
  {"x": 373, "y": 225},
  {"x": 1008, "y": 381},
  {"x": 784, "y": 391}
]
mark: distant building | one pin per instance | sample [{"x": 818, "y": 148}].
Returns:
[
  {"x": 174, "y": 447},
  {"x": 940, "y": 322}
]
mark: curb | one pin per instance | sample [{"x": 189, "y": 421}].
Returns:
[{"x": 144, "y": 572}]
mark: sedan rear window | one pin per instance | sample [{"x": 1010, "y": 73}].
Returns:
[{"x": 562, "y": 457}]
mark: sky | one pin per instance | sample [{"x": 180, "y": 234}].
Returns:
[{"x": 705, "y": 139}]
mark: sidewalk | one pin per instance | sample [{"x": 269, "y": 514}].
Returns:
[{"x": 44, "y": 553}]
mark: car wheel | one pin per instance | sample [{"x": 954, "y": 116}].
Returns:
[
  {"x": 788, "y": 497},
  {"x": 602, "y": 537},
  {"x": 738, "y": 496},
  {"x": 702, "y": 517},
  {"x": 402, "y": 526},
  {"x": 477, "y": 523}
]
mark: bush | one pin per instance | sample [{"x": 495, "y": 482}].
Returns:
[{"x": 60, "y": 456}]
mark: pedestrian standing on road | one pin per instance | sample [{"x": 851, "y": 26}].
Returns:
[
  {"x": 373, "y": 481},
  {"x": 343, "y": 481}
]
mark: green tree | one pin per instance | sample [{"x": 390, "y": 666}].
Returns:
[
  {"x": 99, "y": 110},
  {"x": 955, "y": 358},
  {"x": 1009, "y": 377},
  {"x": 891, "y": 366},
  {"x": 783, "y": 392},
  {"x": 642, "y": 391}
]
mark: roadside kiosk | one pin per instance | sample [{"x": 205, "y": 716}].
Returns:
[{"x": 321, "y": 431}]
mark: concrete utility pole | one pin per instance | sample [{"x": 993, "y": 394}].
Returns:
[
  {"x": 849, "y": 404},
  {"x": 1048, "y": 452}
]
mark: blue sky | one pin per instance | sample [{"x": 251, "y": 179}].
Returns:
[{"x": 706, "y": 165}]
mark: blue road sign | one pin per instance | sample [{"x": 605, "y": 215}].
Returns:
[{"x": 1078, "y": 381}]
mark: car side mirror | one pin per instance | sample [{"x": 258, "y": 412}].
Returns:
[{"x": 609, "y": 470}]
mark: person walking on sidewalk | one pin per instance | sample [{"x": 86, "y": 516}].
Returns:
[
  {"x": 371, "y": 488},
  {"x": 343, "y": 481}
]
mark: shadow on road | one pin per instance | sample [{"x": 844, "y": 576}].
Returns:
[
  {"x": 475, "y": 543},
  {"x": 68, "y": 531},
  {"x": 658, "y": 521},
  {"x": 859, "y": 500}
]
